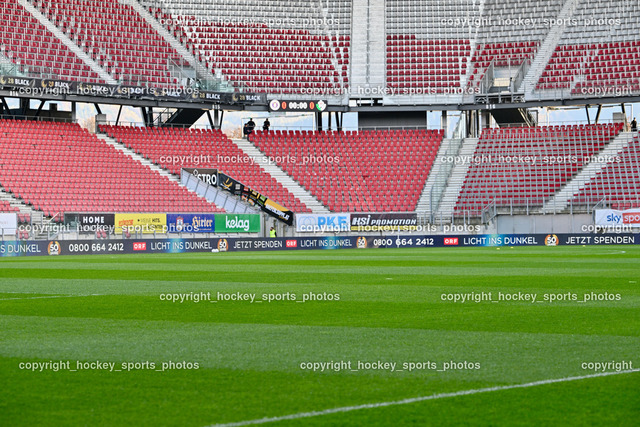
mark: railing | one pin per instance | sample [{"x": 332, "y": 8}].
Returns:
[
  {"x": 488, "y": 213},
  {"x": 520, "y": 75},
  {"x": 442, "y": 177}
]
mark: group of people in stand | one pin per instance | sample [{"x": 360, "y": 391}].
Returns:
[{"x": 251, "y": 125}]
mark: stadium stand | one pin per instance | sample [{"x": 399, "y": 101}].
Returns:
[
  {"x": 59, "y": 167},
  {"x": 600, "y": 51},
  {"x": 523, "y": 167},
  {"x": 203, "y": 149},
  {"x": 506, "y": 42},
  {"x": 35, "y": 50},
  {"x": 118, "y": 39},
  {"x": 425, "y": 51},
  {"x": 618, "y": 184},
  {"x": 366, "y": 171},
  {"x": 266, "y": 46}
]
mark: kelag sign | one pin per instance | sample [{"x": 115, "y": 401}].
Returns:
[{"x": 237, "y": 223}]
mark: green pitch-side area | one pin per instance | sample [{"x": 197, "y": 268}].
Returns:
[{"x": 206, "y": 339}]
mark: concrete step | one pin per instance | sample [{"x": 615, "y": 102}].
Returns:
[
  {"x": 139, "y": 157},
  {"x": 457, "y": 179},
  {"x": 17, "y": 203},
  {"x": 424, "y": 203},
  {"x": 545, "y": 52}
]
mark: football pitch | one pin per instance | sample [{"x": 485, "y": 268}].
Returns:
[{"x": 453, "y": 336}]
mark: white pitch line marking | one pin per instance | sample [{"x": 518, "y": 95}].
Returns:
[
  {"x": 417, "y": 399},
  {"x": 51, "y": 296}
]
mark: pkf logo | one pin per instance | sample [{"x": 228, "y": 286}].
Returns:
[
  {"x": 223, "y": 245},
  {"x": 54, "y": 248},
  {"x": 291, "y": 243},
  {"x": 451, "y": 241},
  {"x": 551, "y": 240},
  {"x": 139, "y": 246}
]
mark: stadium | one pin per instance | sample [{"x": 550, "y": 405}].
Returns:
[{"x": 319, "y": 212}]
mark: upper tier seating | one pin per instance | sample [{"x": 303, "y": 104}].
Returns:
[
  {"x": 426, "y": 49},
  {"x": 603, "y": 68},
  {"x": 525, "y": 166},
  {"x": 37, "y": 52},
  {"x": 618, "y": 183},
  {"x": 599, "y": 53},
  {"x": 432, "y": 64},
  {"x": 369, "y": 171},
  {"x": 276, "y": 47},
  {"x": 203, "y": 149},
  {"x": 58, "y": 167},
  {"x": 118, "y": 39}
]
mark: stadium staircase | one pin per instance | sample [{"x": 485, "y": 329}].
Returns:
[
  {"x": 70, "y": 44},
  {"x": 368, "y": 45},
  {"x": 8, "y": 203},
  {"x": 138, "y": 157},
  {"x": 456, "y": 181},
  {"x": 548, "y": 47},
  {"x": 560, "y": 202},
  {"x": 281, "y": 176},
  {"x": 424, "y": 208}
]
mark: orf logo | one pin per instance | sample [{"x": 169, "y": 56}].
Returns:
[
  {"x": 223, "y": 245},
  {"x": 54, "y": 248},
  {"x": 292, "y": 243},
  {"x": 361, "y": 243},
  {"x": 139, "y": 246},
  {"x": 451, "y": 241},
  {"x": 551, "y": 240}
]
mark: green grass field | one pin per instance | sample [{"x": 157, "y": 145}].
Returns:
[{"x": 390, "y": 309}]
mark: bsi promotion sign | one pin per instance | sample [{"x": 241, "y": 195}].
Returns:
[{"x": 237, "y": 223}]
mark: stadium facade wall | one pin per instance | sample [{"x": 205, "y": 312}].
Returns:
[{"x": 529, "y": 224}]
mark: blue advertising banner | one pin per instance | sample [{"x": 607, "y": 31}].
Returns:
[
  {"x": 191, "y": 223},
  {"x": 229, "y": 244}
]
